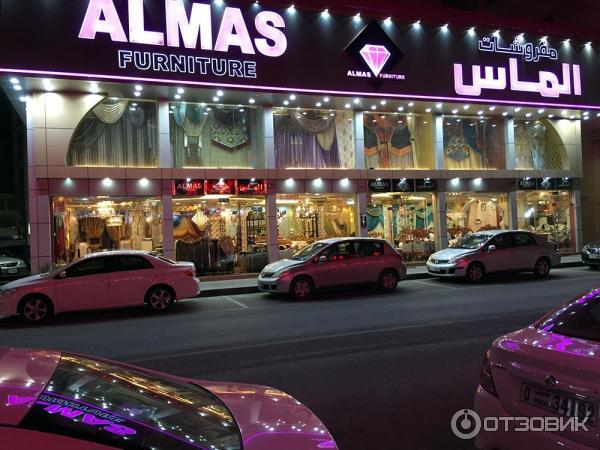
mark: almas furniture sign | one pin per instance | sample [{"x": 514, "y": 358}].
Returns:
[{"x": 246, "y": 45}]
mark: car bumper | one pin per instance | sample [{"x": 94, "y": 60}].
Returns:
[
  {"x": 446, "y": 270},
  {"x": 11, "y": 272},
  {"x": 590, "y": 260},
  {"x": 8, "y": 306},
  {"x": 486, "y": 405},
  {"x": 279, "y": 285}
]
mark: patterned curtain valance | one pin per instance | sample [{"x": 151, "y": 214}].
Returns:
[
  {"x": 110, "y": 111},
  {"x": 317, "y": 125}
]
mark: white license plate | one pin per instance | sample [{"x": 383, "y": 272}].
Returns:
[
  {"x": 594, "y": 256},
  {"x": 559, "y": 403},
  {"x": 12, "y": 270}
]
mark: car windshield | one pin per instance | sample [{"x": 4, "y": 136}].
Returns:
[
  {"x": 472, "y": 241},
  {"x": 130, "y": 409},
  {"x": 578, "y": 319},
  {"x": 308, "y": 252}
]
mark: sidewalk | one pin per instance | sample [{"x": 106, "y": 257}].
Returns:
[{"x": 247, "y": 285}]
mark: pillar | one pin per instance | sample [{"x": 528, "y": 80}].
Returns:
[
  {"x": 577, "y": 219},
  {"x": 164, "y": 141},
  {"x": 509, "y": 142},
  {"x": 359, "y": 141},
  {"x": 440, "y": 222},
  {"x": 269, "y": 137},
  {"x": 438, "y": 142},
  {"x": 167, "y": 224},
  {"x": 513, "y": 215},
  {"x": 361, "y": 209},
  {"x": 272, "y": 232}
]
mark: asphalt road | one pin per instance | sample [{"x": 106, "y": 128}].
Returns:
[{"x": 381, "y": 371}]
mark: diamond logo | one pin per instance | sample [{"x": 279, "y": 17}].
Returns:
[{"x": 375, "y": 56}]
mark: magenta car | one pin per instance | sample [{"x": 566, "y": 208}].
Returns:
[
  {"x": 55, "y": 400},
  {"x": 551, "y": 370}
]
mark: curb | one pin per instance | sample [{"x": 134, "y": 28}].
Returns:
[{"x": 254, "y": 289}]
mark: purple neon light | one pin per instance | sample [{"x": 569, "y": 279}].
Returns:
[
  {"x": 130, "y": 79},
  {"x": 375, "y": 56}
]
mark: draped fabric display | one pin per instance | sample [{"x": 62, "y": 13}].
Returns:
[
  {"x": 539, "y": 146},
  {"x": 473, "y": 143},
  {"x": 374, "y": 217},
  {"x": 306, "y": 142},
  {"x": 204, "y": 136},
  {"x": 116, "y": 133},
  {"x": 388, "y": 142}
]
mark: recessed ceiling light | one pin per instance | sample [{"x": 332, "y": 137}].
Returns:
[
  {"x": 139, "y": 87},
  {"x": 444, "y": 27},
  {"x": 318, "y": 104},
  {"x": 180, "y": 90},
  {"x": 177, "y": 97},
  {"x": 347, "y": 105},
  {"x": 285, "y": 102},
  {"x": 466, "y": 106},
  {"x": 251, "y": 101},
  {"x": 216, "y": 99},
  {"x": 220, "y": 93},
  {"x": 400, "y": 108},
  {"x": 356, "y": 101},
  {"x": 373, "y": 107},
  {"x": 505, "y": 113},
  {"x": 382, "y": 102},
  {"x": 550, "y": 116},
  {"x": 137, "y": 93},
  {"x": 439, "y": 105},
  {"x": 471, "y": 31},
  {"x": 428, "y": 110},
  {"x": 417, "y": 24},
  {"x": 517, "y": 109},
  {"x": 528, "y": 115},
  {"x": 17, "y": 87},
  {"x": 454, "y": 111},
  {"x": 292, "y": 97},
  {"x": 326, "y": 99},
  {"x": 491, "y": 108},
  {"x": 480, "y": 112},
  {"x": 14, "y": 81}
]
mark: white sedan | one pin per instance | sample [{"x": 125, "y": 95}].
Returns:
[{"x": 101, "y": 280}]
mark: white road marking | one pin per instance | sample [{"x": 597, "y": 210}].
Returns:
[
  {"x": 233, "y": 300},
  {"x": 435, "y": 285}
]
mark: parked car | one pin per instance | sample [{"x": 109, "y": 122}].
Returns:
[
  {"x": 590, "y": 255},
  {"x": 481, "y": 253},
  {"x": 58, "y": 400},
  {"x": 334, "y": 262},
  {"x": 101, "y": 280},
  {"x": 20, "y": 251},
  {"x": 11, "y": 267},
  {"x": 549, "y": 369}
]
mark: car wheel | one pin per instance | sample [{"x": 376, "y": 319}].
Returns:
[
  {"x": 301, "y": 288},
  {"x": 542, "y": 268},
  {"x": 594, "y": 267},
  {"x": 388, "y": 280},
  {"x": 475, "y": 272},
  {"x": 36, "y": 309},
  {"x": 160, "y": 298}
]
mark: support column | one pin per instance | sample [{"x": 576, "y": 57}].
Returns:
[
  {"x": 167, "y": 225},
  {"x": 440, "y": 222},
  {"x": 438, "y": 142},
  {"x": 164, "y": 141},
  {"x": 509, "y": 138},
  {"x": 359, "y": 141},
  {"x": 269, "y": 137},
  {"x": 513, "y": 216},
  {"x": 272, "y": 232},
  {"x": 577, "y": 219},
  {"x": 361, "y": 208}
]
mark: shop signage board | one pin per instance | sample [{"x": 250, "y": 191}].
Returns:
[
  {"x": 247, "y": 45},
  {"x": 404, "y": 185},
  {"x": 188, "y": 187},
  {"x": 220, "y": 187},
  {"x": 363, "y": 221},
  {"x": 425, "y": 185},
  {"x": 252, "y": 187},
  {"x": 544, "y": 184},
  {"x": 527, "y": 184},
  {"x": 564, "y": 183},
  {"x": 380, "y": 185}
]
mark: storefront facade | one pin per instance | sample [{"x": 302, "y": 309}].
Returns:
[{"x": 227, "y": 148}]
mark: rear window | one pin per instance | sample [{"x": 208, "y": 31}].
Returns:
[
  {"x": 130, "y": 409},
  {"x": 578, "y": 319}
]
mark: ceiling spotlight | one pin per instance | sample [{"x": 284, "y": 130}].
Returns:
[
  {"x": 177, "y": 97},
  {"x": 286, "y": 102},
  {"x": 496, "y": 33},
  {"x": 544, "y": 38},
  {"x": 107, "y": 182},
  {"x": 220, "y": 93},
  {"x": 550, "y": 116},
  {"x": 428, "y": 110},
  {"x": 17, "y": 87},
  {"x": 22, "y": 98},
  {"x": 388, "y": 21},
  {"x": 528, "y": 115},
  {"x": 94, "y": 88},
  {"x": 144, "y": 182},
  {"x": 216, "y": 99},
  {"x": 14, "y": 81},
  {"x": 454, "y": 111},
  {"x": 480, "y": 112},
  {"x": 347, "y": 105},
  {"x": 439, "y": 105},
  {"x": 180, "y": 90},
  {"x": 291, "y": 8},
  {"x": 357, "y": 16},
  {"x": 374, "y": 107},
  {"x": 417, "y": 24},
  {"x": 292, "y": 97},
  {"x": 588, "y": 44},
  {"x": 567, "y": 41},
  {"x": 505, "y": 113},
  {"x": 325, "y": 13},
  {"x": 137, "y": 93},
  {"x": 411, "y": 104},
  {"x": 491, "y": 108},
  {"x": 444, "y": 27},
  {"x": 517, "y": 109},
  {"x": 471, "y": 31},
  {"x": 356, "y": 101},
  {"x": 326, "y": 99},
  {"x": 400, "y": 108},
  {"x": 138, "y": 87},
  {"x": 47, "y": 85},
  {"x": 465, "y": 107},
  {"x": 541, "y": 110},
  {"x": 318, "y": 104},
  {"x": 585, "y": 113},
  {"x": 521, "y": 36},
  {"x": 251, "y": 101},
  {"x": 382, "y": 102}
]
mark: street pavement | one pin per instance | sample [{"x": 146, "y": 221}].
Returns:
[{"x": 383, "y": 371}]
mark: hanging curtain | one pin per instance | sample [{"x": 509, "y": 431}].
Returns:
[
  {"x": 375, "y": 217},
  {"x": 411, "y": 124},
  {"x": 110, "y": 111},
  {"x": 229, "y": 128}
]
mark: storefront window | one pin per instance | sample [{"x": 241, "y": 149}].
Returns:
[
  {"x": 314, "y": 139},
  {"x": 539, "y": 144},
  {"x": 549, "y": 214},
  {"x": 116, "y": 132},
  {"x": 468, "y": 212},
  {"x": 474, "y": 143},
  {"x": 216, "y": 136},
  {"x": 306, "y": 218},
  {"x": 406, "y": 221},
  {"x": 221, "y": 234},
  {"x": 398, "y": 141},
  {"x": 88, "y": 225}
]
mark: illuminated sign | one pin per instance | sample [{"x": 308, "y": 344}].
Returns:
[
  {"x": 404, "y": 185},
  {"x": 220, "y": 186},
  {"x": 252, "y": 186},
  {"x": 380, "y": 185},
  {"x": 188, "y": 187}
]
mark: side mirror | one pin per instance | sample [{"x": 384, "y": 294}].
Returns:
[
  {"x": 62, "y": 275},
  {"x": 322, "y": 259},
  {"x": 491, "y": 248}
]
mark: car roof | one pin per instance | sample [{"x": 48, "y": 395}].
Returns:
[
  {"x": 495, "y": 232},
  {"x": 118, "y": 253},
  {"x": 340, "y": 239}
]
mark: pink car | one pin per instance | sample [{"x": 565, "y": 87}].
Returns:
[
  {"x": 101, "y": 280},
  {"x": 551, "y": 371},
  {"x": 60, "y": 401}
]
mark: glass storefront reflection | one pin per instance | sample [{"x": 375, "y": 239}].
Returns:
[
  {"x": 474, "y": 143},
  {"x": 467, "y": 212}
]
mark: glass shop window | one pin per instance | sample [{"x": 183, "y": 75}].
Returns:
[
  {"x": 117, "y": 133},
  {"x": 398, "y": 141},
  {"x": 314, "y": 139},
  {"x": 540, "y": 144},
  {"x": 474, "y": 143},
  {"x": 216, "y": 136}
]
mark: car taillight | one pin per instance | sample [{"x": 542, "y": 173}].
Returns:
[
  {"x": 485, "y": 375},
  {"x": 191, "y": 272}
]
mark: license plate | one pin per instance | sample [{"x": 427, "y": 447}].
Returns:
[
  {"x": 433, "y": 270},
  {"x": 594, "y": 256},
  {"x": 12, "y": 270},
  {"x": 559, "y": 403}
]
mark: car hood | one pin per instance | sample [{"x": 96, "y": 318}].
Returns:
[
  {"x": 271, "y": 419},
  {"x": 450, "y": 253},
  {"x": 595, "y": 244},
  {"x": 34, "y": 279},
  {"x": 9, "y": 259},
  {"x": 282, "y": 264}
]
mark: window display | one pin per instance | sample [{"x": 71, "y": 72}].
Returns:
[
  {"x": 216, "y": 136},
  {"x": 314, "y": 139},
  {"x": 406, "y": 221},
  {"x": 305, "y": 218},
  {"x": 468, "y": 212},
  {"x": 116, "y": 132},
  {"x": 399, "y": 141},
  {"x": 88, "y": 225},
  {"x": 549, "y": 214},
  {"x": 221, "y": 233},
  {"x": 538, "y": 145},
  {"x": 474, "y": 143}
]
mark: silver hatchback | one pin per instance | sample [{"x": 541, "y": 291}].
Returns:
[
  {"x": 478, "y": 254},
  {"x": 334, "y": 262}
]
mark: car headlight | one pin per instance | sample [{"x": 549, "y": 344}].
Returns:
[
  {"x": 280, "y": 273},
  {"x": 457, "y": 259},
  {"x": 586, "y": 248},
  {"x": 7, "y": 292}
]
